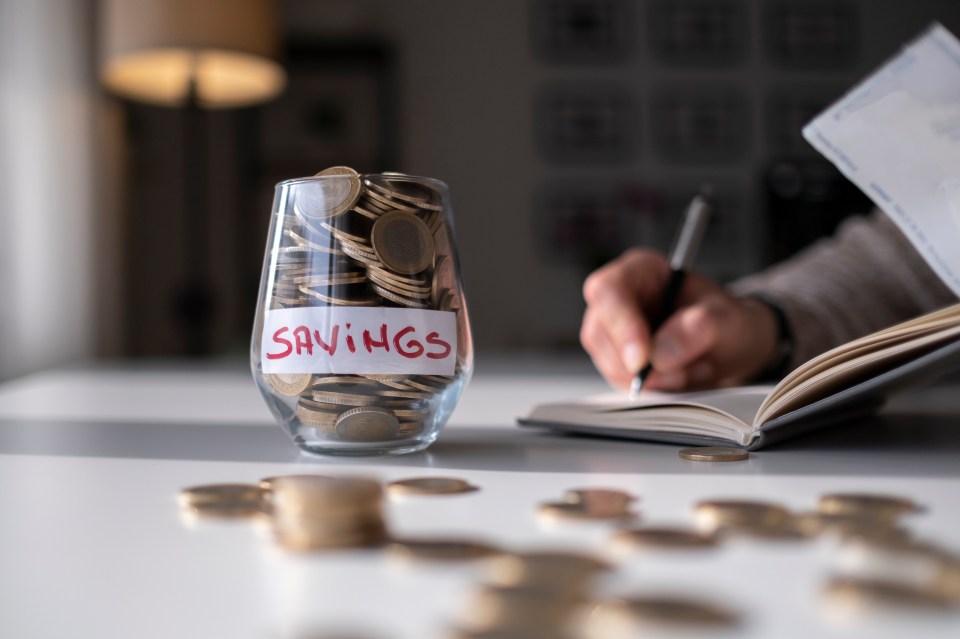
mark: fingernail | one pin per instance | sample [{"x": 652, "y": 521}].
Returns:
[
  {"x": 666, "y": 350},
  {"x": 631, "y": 357}
]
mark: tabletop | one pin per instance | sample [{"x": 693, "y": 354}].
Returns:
[{"x": 93, "y": 545}]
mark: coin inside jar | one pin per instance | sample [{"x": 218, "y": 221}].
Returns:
[
  {"x": 366, "y": 424},
  {"x": 403, "y": 242},
  {"x": 289, "y": 384},
  {"x": 330, "y": 197}
]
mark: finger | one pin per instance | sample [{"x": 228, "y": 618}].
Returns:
[
  {"x": 618, "y": 293},
  {"x": 688, "y": 335},
  {"x": 668, "y": 381},
  {"x": 605, "y": 356}
]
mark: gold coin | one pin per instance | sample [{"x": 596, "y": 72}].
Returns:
[
  {"x": 719, "y": 513},
  {"x": 289, "y": 384},
  {"x": 397, "y": 299},
  {"x": 338, "y": 279},
  {"x": 592, "y": 512},
  {"x": 221, "y": 494},
  {"x": 858, "y": 593},
  {"x": 331, "y": 196},
  {"x": 850, "y": 526},
  {"x": 667, "y": 610},
  {"x": 403, "y": 242},
  {"x": 431, "y": 486},
  {"x": 601, "y": 499},
  {"x": 348, "y": 399},
  {"x": 416, "y": 283},
  {"x": 246, "y": 510},
  {"x": 336, "y": 301},
  {"x": 409, "y": 190},
  {"x": 870, "y": 505},
  {"x": 345, "y": 236},
  {"x": 714, "y": 454},
  {"x": 366, "y": 424},
  {"x": 550, "y": 571},
  {"x": 664, "y": 538},
  {"x": 360, "y": 256},
  {"x": 523, "y": 610},
  {"x": 395, "y": 205},
  {"x": 441, "y": 549},
  {"x": 310, "y": 417},
  {"x": 269, "y": 483},
  {"x": 396, "y": 289},
  {"x": 398, "y": 284},
  {"x": 309, "y": 245}
]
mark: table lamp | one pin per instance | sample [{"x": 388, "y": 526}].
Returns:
[{"x": 194, "y": 55}]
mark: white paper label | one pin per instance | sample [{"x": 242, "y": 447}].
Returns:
[
  {"x": 897, "y": 137},
  {"x": 344, "y": 340}
]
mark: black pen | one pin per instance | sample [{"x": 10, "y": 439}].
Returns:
[{"x": 682, "y": 254}]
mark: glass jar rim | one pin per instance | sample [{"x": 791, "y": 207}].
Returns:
[{"x": 435, "y": 183}]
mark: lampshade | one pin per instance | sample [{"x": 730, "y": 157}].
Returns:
[{"x": 153, "y": 48}]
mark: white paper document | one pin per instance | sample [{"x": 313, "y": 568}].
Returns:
[{"x": 897, "y": 136}]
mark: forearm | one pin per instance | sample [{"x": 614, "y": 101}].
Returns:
[{"x": 866, "y": 277}]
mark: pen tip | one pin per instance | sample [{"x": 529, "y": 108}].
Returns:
[{"x": 635, "y": 387}]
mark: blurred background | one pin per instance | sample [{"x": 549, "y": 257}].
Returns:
[{"x": 567, "y": 130}]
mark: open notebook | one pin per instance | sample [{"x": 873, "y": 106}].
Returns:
[{"x": 850, "y": 380}]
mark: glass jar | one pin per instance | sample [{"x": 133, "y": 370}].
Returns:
[{"x": 361, "y": 342}]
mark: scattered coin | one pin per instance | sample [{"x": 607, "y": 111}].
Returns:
[
  {"x": 717, "y": 514},
  {"x": 452, "y": 550},
  {"x": 662, "y": 610},
  {"x": 663, "y": 538},
  {"x": 431, "y": 486},
  {"x": 518, "y": 608},
  {"x": 859, "y": 594},
  {"x": 268, "y": 483},
  {"x": 583, "y": 511},
  {"x": 221, "y": 494},
  {"x": 223, "y": 501},
  {"x": 549, "y": 571},
  {"x": 870, "y": 505},
  {"x": 714, "y": 454},
  {"x": 344, "y": 512}
]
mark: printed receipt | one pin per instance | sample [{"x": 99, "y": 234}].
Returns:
[{"x": 897, "y": 136}]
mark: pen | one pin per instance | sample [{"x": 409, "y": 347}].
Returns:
[{"x": 681, "y": 259}]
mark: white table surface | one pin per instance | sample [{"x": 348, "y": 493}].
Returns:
[{"x": 92, "y": 545}]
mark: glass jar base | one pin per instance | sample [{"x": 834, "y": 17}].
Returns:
[{"x": 355, "y": 449}]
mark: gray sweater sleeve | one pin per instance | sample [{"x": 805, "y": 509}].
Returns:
[{"x": 866, "y": 277}]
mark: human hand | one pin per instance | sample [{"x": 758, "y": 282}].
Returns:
[{"x": 712, "y": 339}]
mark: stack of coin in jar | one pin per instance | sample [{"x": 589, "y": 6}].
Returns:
[
  {"x": 341, "y": 512},
  {"x": 364, "y": 241}
]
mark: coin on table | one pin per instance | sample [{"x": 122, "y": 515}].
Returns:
[
  {"x": 290, "y": 384},
  {"x": 269, "y": 483},
  {"x": 850, "y": 526},
  {"x": 403, "y": 242},
  {"x": 222, "y": 494},
  {"x": 366, "y": 424},
  {"x": 855, "y": 593},
  {"x": 719, "y": 513},
  {"x": 330, "y": 197},
  {"x": 601, "y": 499},
  {"x": 714, "y": 454},
  {"x": 866, "y": 504},
  {"x": 431, "y": 486},
  {"x": 520, "y": 609},
  {"x": 583, "y": 511},
  {"x": 663, "y": 538},
  {"x": 441, "y": 549},
  {"x": 546, "y": 569},
  {"x": 666, "y": 610}
]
